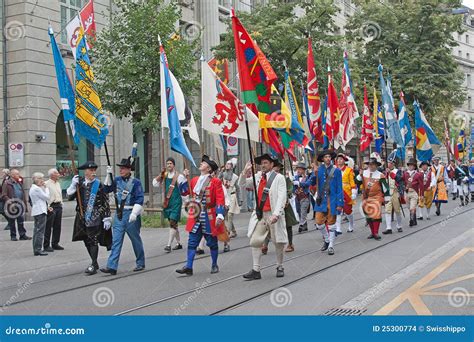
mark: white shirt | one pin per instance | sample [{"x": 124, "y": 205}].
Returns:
[
  {"x": 181, "y": 179},
  {"x": 39, "y": 197},
  {"x": 55, "y": 192}
]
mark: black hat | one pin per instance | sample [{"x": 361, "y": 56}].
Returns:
[
  {"x": 88, "y": 165},
  {"x": 278, "y": 163},
  {"x": 210, "y": 162},
  {"x": 326, "y": 152},
  {"x": 374, "y": 161},
  {"x": 425, "y": 163},
  {"x": 266, "y": 156},
  {"x": 171, "y": 159},
  {"x": 412, "y": 161},
  {"x": 301, "y": 166},
  {"x": 126, "y": 163}
]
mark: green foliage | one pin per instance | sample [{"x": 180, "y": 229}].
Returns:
[
  {"x": 414, "y": 41},
  {"x": 127, "y": 59}
]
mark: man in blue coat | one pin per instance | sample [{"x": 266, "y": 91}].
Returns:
[
  {"x": 129, "y": 199},
  {"x": 329, "y": 198}
]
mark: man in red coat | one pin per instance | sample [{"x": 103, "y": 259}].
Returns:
[{"x": 206, "y": 214}]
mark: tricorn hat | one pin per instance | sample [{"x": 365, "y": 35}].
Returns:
[
  {"x": 265, "y": 156},
  {"x": 126, "y": 162},
  {"x": 412, "y": 161},
  {"x": 343, "y": 156},
  {"x": 88, "y": 165},
  {"x": 326, "y": 152},
  {"x": 375, "y": 161},
  {"x": 213, "y": 165},
  {"x": 425, "y": 162}
]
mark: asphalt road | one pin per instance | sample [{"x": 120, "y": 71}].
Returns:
[{"x": 404, "y": 273}]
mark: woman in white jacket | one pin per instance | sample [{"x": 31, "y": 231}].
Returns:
[{"x": 39, "y": 195}]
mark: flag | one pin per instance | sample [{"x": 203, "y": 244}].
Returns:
[
  {"x": 221, "y": 69},
  {"x": 332, "y": 111},
  {"x": 307, "y": 119},
  {"x": 91, "y": 123},
  {"x": 367, "y": 129},
  {"x": 393, "y": 128},
  {"x": 314, "y": 101},
  {"x": 73, "y": 30},
  {"x": 222, "y": 112},
  {"x": 88, "y": 20},
  {"x": 324, "y": 125},
  {"x": 461, "y": 142},
  {"x": 427, "y": 144},
  {"x": 348, "y": 107},
  {"x": 66, "y": 92},
  {"x": 255, "y": 72},
  {"x": 446, "y": 138},
  {"x": 185, "y": 115},
  {"x": 379, "y": 125},
  {"x": 296, "y": 130},
  {"x": 404, "y": 123},
  {"x": 177, "y": 142}
]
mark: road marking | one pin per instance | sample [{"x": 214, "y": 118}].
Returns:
[
  {"x": 414, "y": 293},
  {"x": 370, "y": 295}
]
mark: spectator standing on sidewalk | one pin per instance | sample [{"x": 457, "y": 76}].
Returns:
[
  {"x": 39, "y": 197},
  {"x": 55, "y": 213}
]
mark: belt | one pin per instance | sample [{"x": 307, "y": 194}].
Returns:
[
  {"x": 128, "y": 207},
  {"x": 55, "y": 204},
  {"x": 232, "y": 193}
]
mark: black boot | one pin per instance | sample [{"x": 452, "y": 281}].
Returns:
[
  {"x": 325, "y": 246},
  {"x": 438, "y": 209},
  {"x": 462, "y": 200}
]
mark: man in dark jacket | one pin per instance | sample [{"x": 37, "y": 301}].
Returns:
[{"x": 14, "y": 199}]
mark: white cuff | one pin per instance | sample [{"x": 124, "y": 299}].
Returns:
[
  {"x": 220, "y": 216},
  {"x": 137, "y": 209},
  {"x": 71, "y": 190},
  {"x": 156, "y": 184}
]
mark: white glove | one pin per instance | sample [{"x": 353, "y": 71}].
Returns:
[
  {"x": 465, "y": 179},
  {"x": 107, "y": 223},
  {"x": 75, "y": 180},
  {"x": 109, "y": 169},
  {"x": 136, "y": 211},
  {"x": 354, "y": 194},
  {"x": 359, "y": 178},
  {"x": 297, "y": 183}
]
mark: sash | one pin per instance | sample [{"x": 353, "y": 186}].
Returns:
[
  {"x": 92, "y": 197},
  {"x": 124, "y": 194}
]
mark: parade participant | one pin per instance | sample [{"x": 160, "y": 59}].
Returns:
[
  {"x": 462, "y": 182},
  {"x": 329, "y": 199},
  {"x": 55, "y": 213},
  {"x": 269, "y": 214},
  {"x": 301, "y": 190},
  {"x": 451, "y": 170},
  {"x": 129, "y": 197},
  {"x": 350, "y": 192},
  {"x": 39, "y": 196},
  {"x": 440, "y": 193},
  {"x": 471, "y": 179},
  {"x": 413, "y": 183},
  {"x": 232, "y": 193},
  {"x": 176, "y": 185},
  {"x": 375, "y": 194},
  {"x": 92, "y": 222},
  {"x": 206, "y": 210},
  {"x": 396, "y": 187},
  {"x": 427, "y": 189}
]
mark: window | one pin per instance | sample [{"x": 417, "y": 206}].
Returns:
[
  {"x": 468, "y": 80},
  {"x": 69, "y": 9},
  {"x": 459, "y": 36},
  {"x": 467, "y": 39},
  {"x": 459, "y": 53},
  {"x": 469, "y": 103},
  {"x": 468, "y": 56}
]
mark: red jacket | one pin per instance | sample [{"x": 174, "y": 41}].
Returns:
[
  {"x": 415, "y": 183},
  {"x": 215, "y": 204}
]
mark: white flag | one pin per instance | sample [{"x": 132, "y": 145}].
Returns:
[
  {"x": 185, "y": 115},
  {"x": 222, "y": 112},
  {"x": 72, "y": 32}
]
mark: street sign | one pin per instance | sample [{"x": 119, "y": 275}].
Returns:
[{"x": 16, "y": 154}]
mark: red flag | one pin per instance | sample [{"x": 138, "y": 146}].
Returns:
[
  {"x": 333, "y": 111},
  {"x": 367, "y": 126},
  {"x": 255, "y": 72},
  {"x": 88, "y": 21},
  {"x": 314, "y": 101}
]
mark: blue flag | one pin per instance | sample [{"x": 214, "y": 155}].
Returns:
[
  {"x": 393, "y": 128},
  {"x": 91, "y": 123},
  {"x": 405, "y": 127},
  {"x": 325, "y": 114},
  {"x": 177, "y": 142},
  {"x": 305, "y": 113},
  {"x": 296, "y": 130},
  {"x": 66, "y": 91},
  {"x": 427, "y": 144}
]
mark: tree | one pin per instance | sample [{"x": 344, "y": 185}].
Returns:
[
  {"x": 281, "y": 31},
  {"x": 127, "y": 59},
  {"x": 414, "y": 42}
]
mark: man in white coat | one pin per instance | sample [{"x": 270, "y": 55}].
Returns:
[{"x": 269, "y": 214}]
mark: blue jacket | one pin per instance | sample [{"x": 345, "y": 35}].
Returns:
[
  {"x": 135, "y": 196},
  {"x": 305, "y": 185},
  {"x": 336, "y": 194}
]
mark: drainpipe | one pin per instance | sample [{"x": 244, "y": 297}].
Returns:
[{"x": 5, "y": 101}]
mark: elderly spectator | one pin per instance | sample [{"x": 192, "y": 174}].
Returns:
[
  {"x": 5, "y": 176},
  {"x": 39, "y": 197},
  {"x": 55, "y": 213},
  {"x": 15, "y": 205}
]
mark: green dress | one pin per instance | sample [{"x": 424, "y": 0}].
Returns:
[
  {"x": 173, "y": 211},
  {"x": 290, "y": 219}
]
